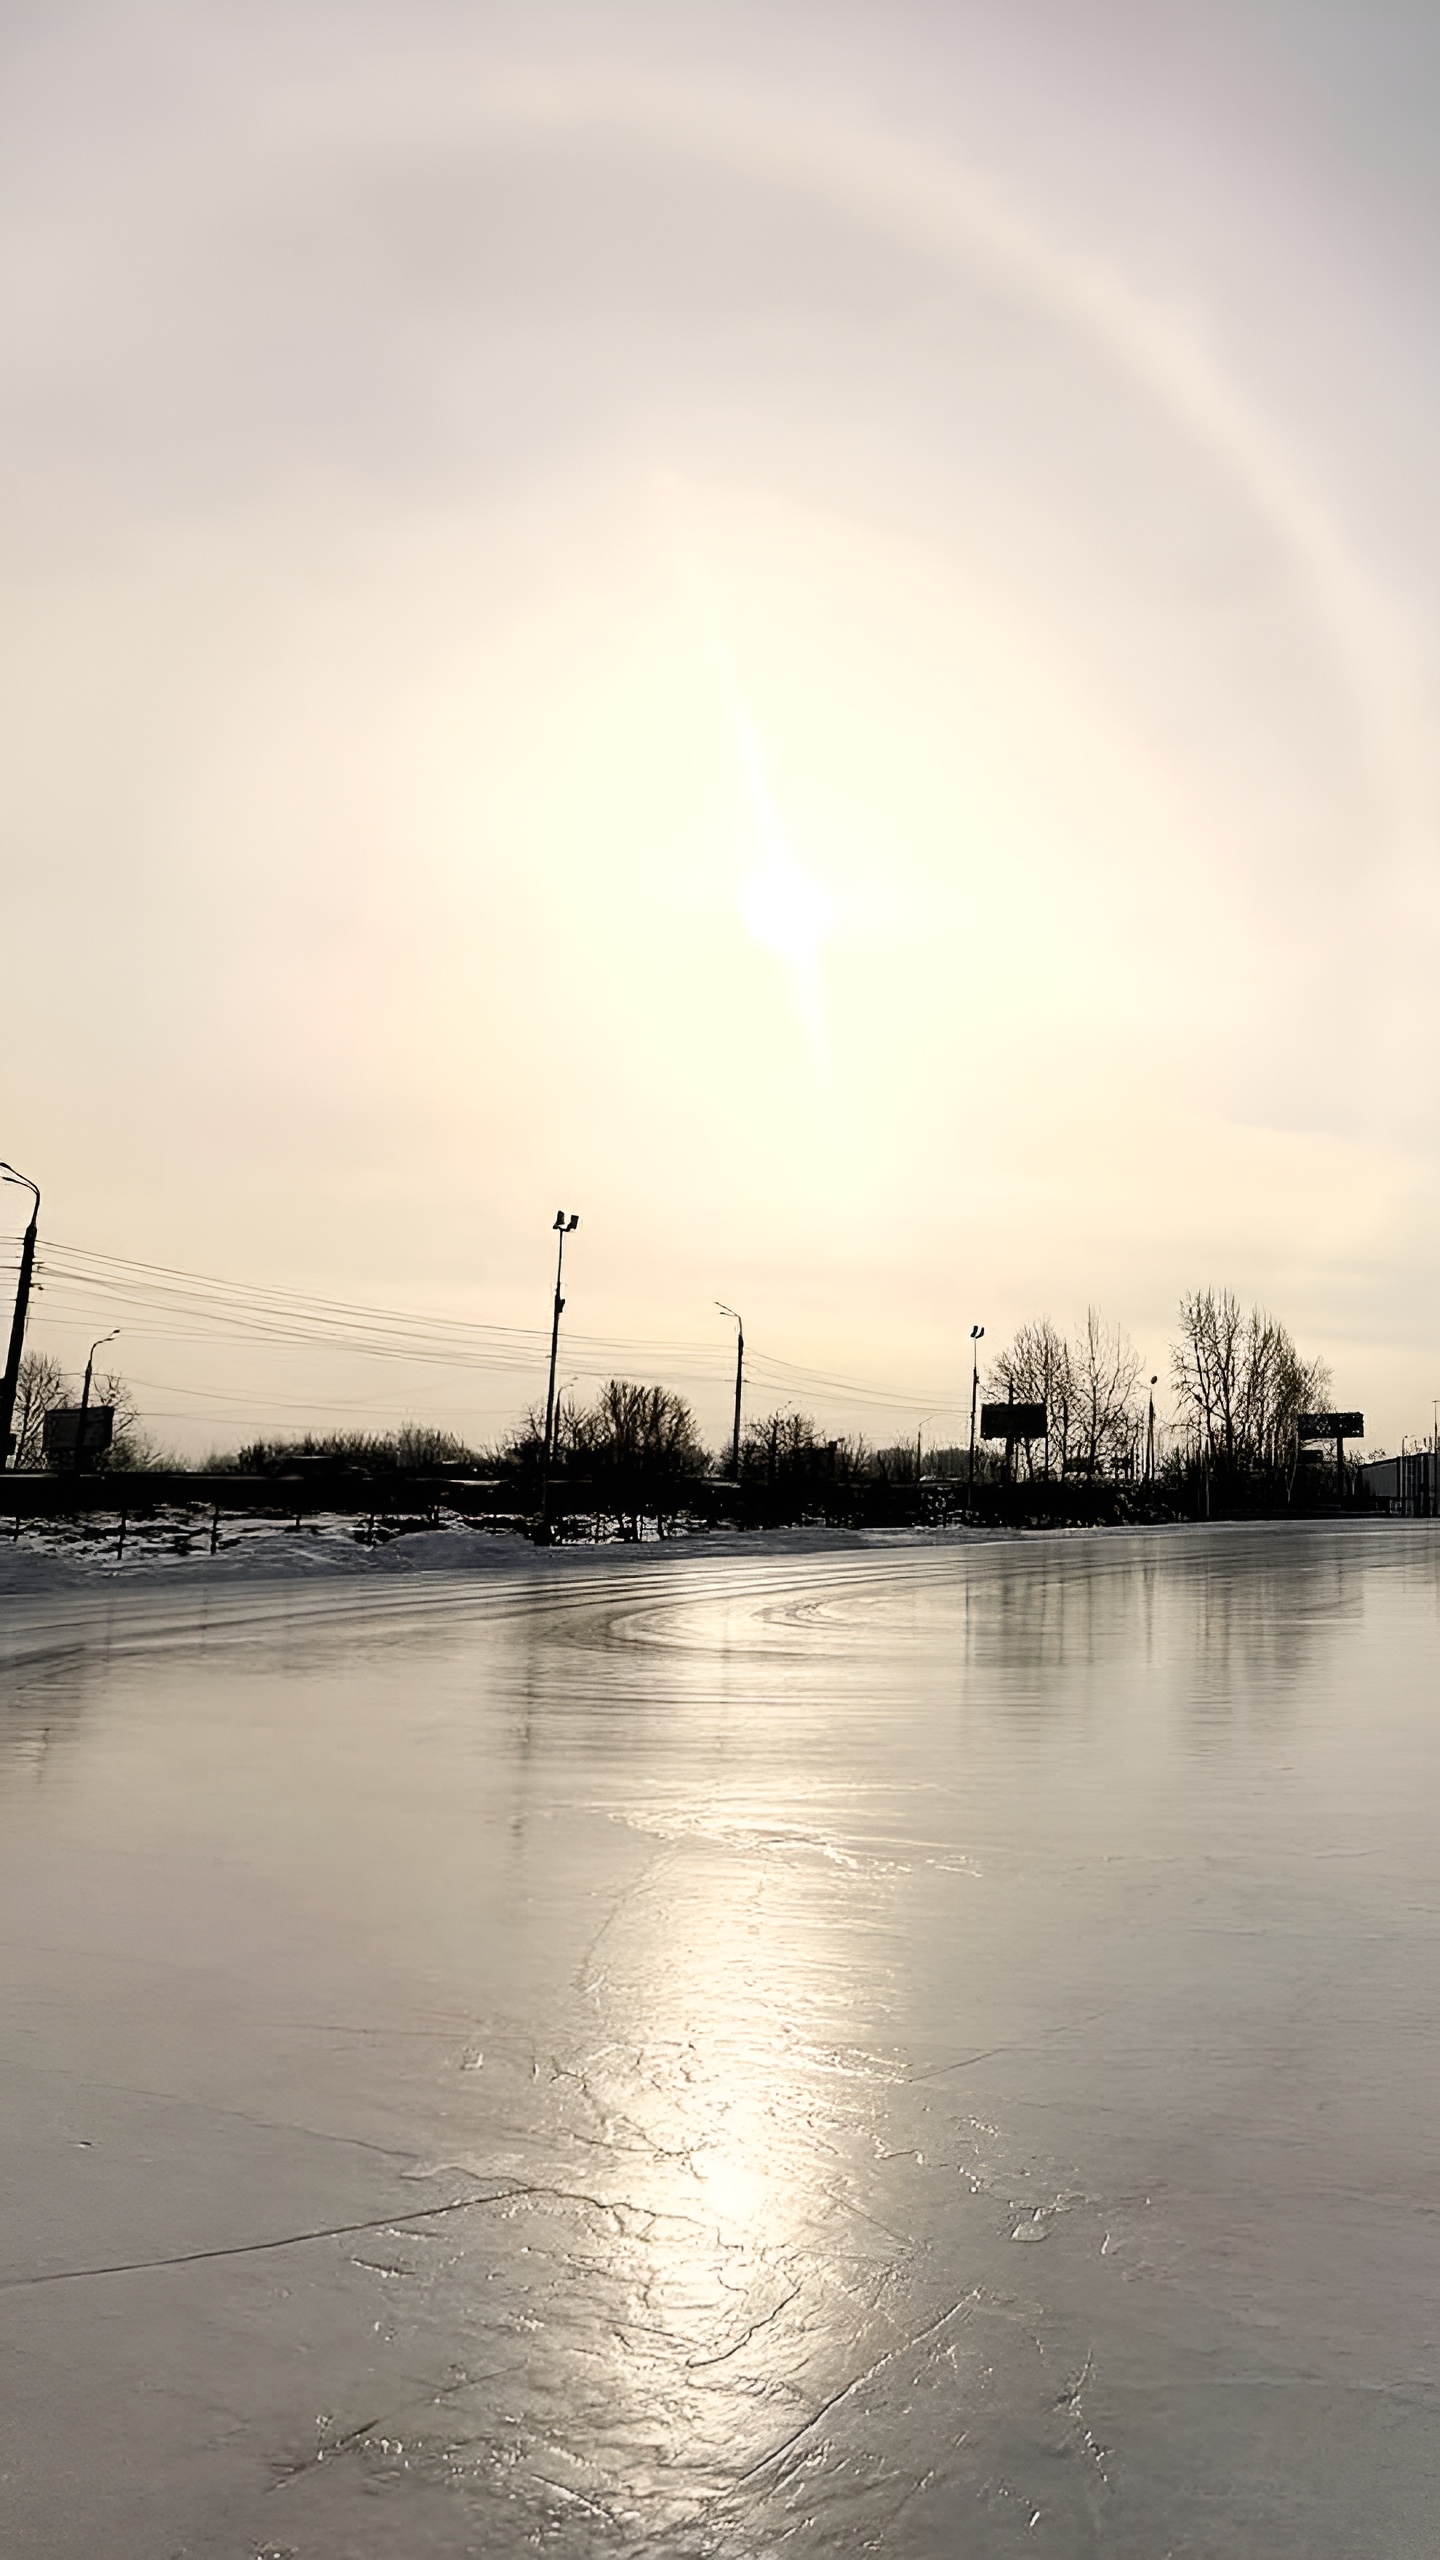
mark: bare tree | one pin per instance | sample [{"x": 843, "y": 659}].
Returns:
[
  {"x": 43, "y": 1388},
  {"x": 788, "y": 1468},
  {"x": 130, "y": 1443},
  {"x": 779, "y": 1450},
  {"x": 1276, "y": 1386},
  {"x": 636, "y": 1447},
  {"x": 40, "y": 1389},
  {"x": 1089, "y": 1388},
  {"x": 1039, "y": 1368},
  {"x": 416, "y": 1448},
  {"x": 1106, "y": 1369},
  {"x": 1241, "y": 1383},
  {"x": 1205, "y": 1366}
]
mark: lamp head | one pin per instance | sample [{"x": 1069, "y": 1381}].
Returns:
[{"x": 977, "y": 1332}]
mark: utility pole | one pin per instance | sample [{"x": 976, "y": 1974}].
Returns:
[
  {"x": 563, "y": 1227},
  {"x": 11, "y": 1379},
  {"x": 739, "y": 1385},
  {"x": 85, "y": 1397},
  {"x": 977, "y": 1336}
]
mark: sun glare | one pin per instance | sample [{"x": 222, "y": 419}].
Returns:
[
  {"x": 786, "y": 908},
  {"x": 789, "y": 912}
]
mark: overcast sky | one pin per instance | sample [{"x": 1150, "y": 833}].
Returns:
[{"x": 809, "y": 629}]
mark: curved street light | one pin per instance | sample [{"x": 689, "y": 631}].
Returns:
[
  {"x": 11, "y": 1380},
  {"x": 739, "y": 1383},
  {"x": 919, "y": 1436},
  {"x": 97, "y": 1345}
]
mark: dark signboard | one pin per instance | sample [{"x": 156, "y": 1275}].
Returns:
[
  {"x": 1331, "y": 1426},
  {"x": 62, "y": 1431},
  {"x": 1012, "y": 1422}
]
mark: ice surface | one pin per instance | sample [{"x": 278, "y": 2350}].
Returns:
[{"x": 564, "y": 2059}]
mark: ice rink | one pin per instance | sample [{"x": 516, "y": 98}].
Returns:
[{"x": 918, "y": 2051}]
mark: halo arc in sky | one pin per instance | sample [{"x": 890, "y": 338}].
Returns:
[{"x": 1162, "y": 350}]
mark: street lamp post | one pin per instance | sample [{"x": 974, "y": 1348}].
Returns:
[
  {"x": 11, "y": 1380},
  {"x": 1150, "y": 1432},
  {"x": 739, "y": 1384},
  {"x": 977, "y": 1336},
  {"x": 919, "y": 1444},
  {"x": 563, "y": 1227},
  {"x": 95, "y": 1346}
]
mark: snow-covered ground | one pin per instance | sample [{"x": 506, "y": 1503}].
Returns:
[{"x": 55, "y": 1555}]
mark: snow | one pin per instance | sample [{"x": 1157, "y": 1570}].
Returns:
[{"x": 174, "y": 1545}]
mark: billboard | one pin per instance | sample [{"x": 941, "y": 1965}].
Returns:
[
  {"x": 62, "y": 1432},
  {"x": 1330, "y": 1426},
  {"x": 1013, "y": 1422}
]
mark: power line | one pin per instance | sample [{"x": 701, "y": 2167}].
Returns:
[
  {"x": 275, "y": 1314},
  {"x": 164, "y": 1303}
]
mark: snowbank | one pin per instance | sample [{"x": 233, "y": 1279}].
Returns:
[{"x": 174, "y": 1548}]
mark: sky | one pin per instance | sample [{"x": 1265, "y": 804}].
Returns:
[{"x": 808, "y": 629}]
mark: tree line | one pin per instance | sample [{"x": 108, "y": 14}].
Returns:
[{"x": 1237, "y": 1387}]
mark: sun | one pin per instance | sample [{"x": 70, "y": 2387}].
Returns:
[
  {"x": 789, "y": 911},
  {"x": 786, "y": 907}
]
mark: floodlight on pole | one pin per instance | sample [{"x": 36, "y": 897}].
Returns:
[
  {"x": 739, "y": 1384},
  {"x": 564, "y": 1226},
  {"x": 9, "y": 1384},
  {"x": 977, "y": 1336}
]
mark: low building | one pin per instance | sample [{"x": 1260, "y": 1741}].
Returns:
[{"x": 1407, "y": 1485}]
